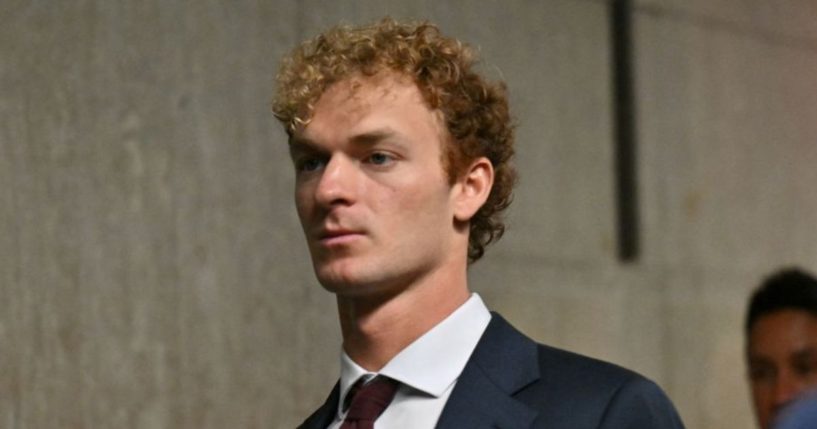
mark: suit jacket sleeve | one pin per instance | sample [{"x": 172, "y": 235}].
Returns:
[{"x": 640, "y": 404}]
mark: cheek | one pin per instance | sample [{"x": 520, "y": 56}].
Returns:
[
  {"x": 303, "y": 204},
  {"x": 425, "y": 200},
  {"x": 810, "y": 375},
  {"x": 428, "y": 216},
  {"x": 417, "y": 203},
  {"x": 763, "y": 406},
  {"x": 759, "y": 395}
]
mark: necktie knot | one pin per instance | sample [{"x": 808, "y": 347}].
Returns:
[{"x": 369, "y": 400}]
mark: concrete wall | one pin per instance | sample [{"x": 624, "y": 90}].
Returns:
[
  {"x": 728, "y": 120},
  {"x": 152, "y": 271}
]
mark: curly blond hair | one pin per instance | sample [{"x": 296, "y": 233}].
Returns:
[{"x": 475, "y": 110}]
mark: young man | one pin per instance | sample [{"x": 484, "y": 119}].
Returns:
[
  {"x": 781, "y": 342},
  {"x": 402, "y": 159}
]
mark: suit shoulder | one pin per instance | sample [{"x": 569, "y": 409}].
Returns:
[
  {"x": 598, "y": 391},
  {"x": 572, "y": 368}
]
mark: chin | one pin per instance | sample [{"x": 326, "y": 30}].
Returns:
[
  {"x": 338, "y": 277},
  {"x": 353, "y": 282}
]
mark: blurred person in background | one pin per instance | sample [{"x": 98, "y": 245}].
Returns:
[{"x": 781, "y": 342}]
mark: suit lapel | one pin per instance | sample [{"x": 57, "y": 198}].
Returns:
[
  {"x": 504, "y": 362},
  {"x": 324, "y": 415}
]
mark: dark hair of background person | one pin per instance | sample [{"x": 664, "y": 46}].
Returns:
[{"x": 787, "y": 289}]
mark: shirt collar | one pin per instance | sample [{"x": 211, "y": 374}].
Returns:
[{"x": 434, "y": 361}]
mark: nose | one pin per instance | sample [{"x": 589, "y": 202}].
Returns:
[
  {"x": 337, "y": 184},
  {"x": 786, "y": 389}
]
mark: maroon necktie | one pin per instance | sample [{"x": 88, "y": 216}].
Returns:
[{"x": 369, "y": 402}]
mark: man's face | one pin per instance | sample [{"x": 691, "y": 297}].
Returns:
[
  {"x": 782, "y": 353},
  {"x": 372, "y": 196}
]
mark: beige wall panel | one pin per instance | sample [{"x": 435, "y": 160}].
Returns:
[
  {"x": 704, "y": 311},
  {"x": 726, "y": 128},
  {"x": 788, "y": 21},
  {"x": 727, "y": 137}
]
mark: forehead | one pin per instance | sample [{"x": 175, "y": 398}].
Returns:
[{"x": 783, "y": 332}]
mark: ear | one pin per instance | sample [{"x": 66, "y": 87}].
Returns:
[{"x": 472, "y": 189}]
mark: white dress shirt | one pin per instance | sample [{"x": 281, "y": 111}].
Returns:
[{"x": 427, "y": 369}]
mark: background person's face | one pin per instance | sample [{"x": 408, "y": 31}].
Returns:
[
  {"x": 372, "y": 195},
  {"x": 782, "y": 356}
]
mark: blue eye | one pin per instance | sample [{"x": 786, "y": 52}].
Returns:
[
  {"x": 380, "y": 158},
  {"x": 309, "y": 164}
]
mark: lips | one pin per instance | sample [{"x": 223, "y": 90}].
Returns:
[{"x": 338, "y": 236}]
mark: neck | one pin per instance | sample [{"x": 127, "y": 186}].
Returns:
[{"x": 376, "y": 328}]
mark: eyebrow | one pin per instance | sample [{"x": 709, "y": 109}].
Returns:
[
  {"x": 805, "y": 353},
  {"x": 756, "y": 358},
  {"x": 373, "y": 137}
]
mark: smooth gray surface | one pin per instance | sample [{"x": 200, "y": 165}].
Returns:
[{"x": 781, "y": 21}]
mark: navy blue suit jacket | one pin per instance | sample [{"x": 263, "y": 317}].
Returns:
[{"x": 511, "y": 382}]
